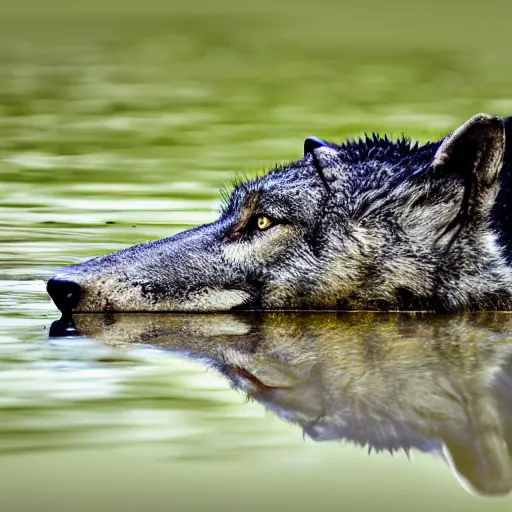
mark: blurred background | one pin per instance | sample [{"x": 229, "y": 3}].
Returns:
[
  {"x": 119, "y": 121},
  {"x": 136, "y": 112}
]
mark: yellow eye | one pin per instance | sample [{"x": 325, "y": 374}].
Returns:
[{"x": 263, "y": 222}]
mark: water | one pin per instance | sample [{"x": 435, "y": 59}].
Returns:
[{"x": 115, "y": 131}]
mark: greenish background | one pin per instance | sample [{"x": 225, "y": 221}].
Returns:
[{"x": 118, "y": 123}]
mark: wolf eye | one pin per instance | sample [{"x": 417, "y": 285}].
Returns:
[
  {"x": 263, "y": 222},
  {"x": 255, "y": 223}
]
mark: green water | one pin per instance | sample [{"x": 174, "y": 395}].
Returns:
[{"x": 119, "y": 129}]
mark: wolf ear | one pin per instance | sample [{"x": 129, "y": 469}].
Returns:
[
  {"x": 311, "y": 143},
  {"x": 474, "y": 150}
]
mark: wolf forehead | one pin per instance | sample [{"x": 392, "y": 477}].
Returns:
[{"x": 357, "y": 165}]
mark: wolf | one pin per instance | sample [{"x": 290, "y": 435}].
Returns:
[
  {"x": 398, "y": 382},
  {"x": 365, "y": 225}
]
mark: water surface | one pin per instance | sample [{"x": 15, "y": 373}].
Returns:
[{"x": 112, "y": 133}]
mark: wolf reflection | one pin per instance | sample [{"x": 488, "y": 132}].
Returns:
[{"x": 386, "y": 382}]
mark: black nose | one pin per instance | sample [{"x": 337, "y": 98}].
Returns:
[{"x": 64, "y": 293}]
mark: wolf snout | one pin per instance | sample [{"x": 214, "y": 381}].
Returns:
[{"x": 64, "y": 293}]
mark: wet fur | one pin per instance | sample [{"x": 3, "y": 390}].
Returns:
[{"x": 369, "y": 224}]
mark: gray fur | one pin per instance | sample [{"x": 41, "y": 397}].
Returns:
[{"x": 365, "y": 225}]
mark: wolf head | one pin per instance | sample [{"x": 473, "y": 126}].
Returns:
[{"x": 364, "y": 225}]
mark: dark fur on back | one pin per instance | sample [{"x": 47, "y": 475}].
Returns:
[{"x": 502, "y": 211}]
